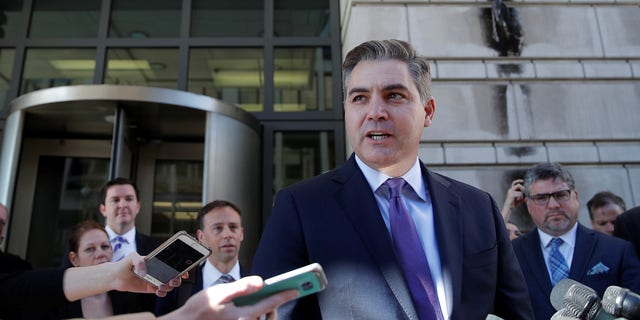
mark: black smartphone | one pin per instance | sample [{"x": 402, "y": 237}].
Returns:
[
  {"x": 174, "y": 257},
  {"x": 307, "y": 280}
]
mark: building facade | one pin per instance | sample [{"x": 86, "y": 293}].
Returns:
[{"x": 237, "y": 99}]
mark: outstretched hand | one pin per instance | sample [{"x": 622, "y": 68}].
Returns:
[{"x": 216, "y": 302}]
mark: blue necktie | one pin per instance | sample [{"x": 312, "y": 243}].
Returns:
[
  {"x": 225, "y": 278},
  {"x": 559, "y": 267},
  {"x": 411, "y": 255}
]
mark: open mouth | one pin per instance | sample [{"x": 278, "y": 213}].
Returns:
[{"x": 377, "y": 136}]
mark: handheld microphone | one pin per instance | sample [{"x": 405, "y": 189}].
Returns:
[
  {"x": 559, "y": 292},
  {"x": 621, "y": 302},
  {"x": 579, "y": 301},
  {"x": 563, "y": 314}
]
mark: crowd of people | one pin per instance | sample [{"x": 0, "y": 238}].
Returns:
[{"x": 396, "y": 240}]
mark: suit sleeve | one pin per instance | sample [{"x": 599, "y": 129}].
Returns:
[
  {"x": 512, "y": 297},
  {"x": 630, "y": 269},
  {"x": 282, "y": 245}
]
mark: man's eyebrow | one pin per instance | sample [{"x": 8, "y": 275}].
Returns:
[
  {"x": 357, "y": 90},
  {"x": 395, "y": 86}
]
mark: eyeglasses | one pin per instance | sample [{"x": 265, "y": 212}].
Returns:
[{"x": 543, "y": 198}]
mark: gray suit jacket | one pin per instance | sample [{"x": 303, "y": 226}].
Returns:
[{"x": 333, "y": 219}]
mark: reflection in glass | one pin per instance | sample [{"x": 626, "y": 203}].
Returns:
[
  {"x": 227, "y": 18},
  {"x": 233, "y": 75},
  {"x": 67, "y": 191},
  {"x": 150, "y": 67},
  {"x": 177, "y": 196},
  {"x": 46, "y": 68},
  {"x": 295, "y": 18},
  {"x": 6, "y": 68},
  {"x": 65, "y": 19},
  {"x": 145, "y": 19},
  {"x": 10, "y": 17},
  {"x": 302, "y": 79},
  {"x": 298, "y": 155}
]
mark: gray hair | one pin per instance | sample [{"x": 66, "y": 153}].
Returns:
[
  {"x": 545, "y": 171},
  {"x": 395, "y": 50}
]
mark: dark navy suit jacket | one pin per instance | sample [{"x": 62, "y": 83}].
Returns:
[
  {"x": 333, "y": 219},
  {"x": 594, "y": 253}
]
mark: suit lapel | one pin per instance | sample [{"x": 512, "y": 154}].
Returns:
[
  {"x": 535, "y": 261},
  {"x": 448, "y": 229},
  {"x": 360, "y": 207},
  {"x": 585, "y": 242}
]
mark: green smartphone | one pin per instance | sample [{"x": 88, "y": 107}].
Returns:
[{"x": 307, "y": 280}]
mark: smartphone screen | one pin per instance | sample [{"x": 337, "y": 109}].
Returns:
[{"x": 174, "y": 257}]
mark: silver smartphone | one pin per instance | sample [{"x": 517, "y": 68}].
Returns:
[
  {"x": 174, "y": 257},
  {"x": 307, "y": 280}
]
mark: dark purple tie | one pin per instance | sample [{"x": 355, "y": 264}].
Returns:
[{"x": 411, "y": 255}]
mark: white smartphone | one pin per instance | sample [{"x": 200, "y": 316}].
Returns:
[
  {"x": 307, "y": 280},
  {"x": 174, "y": 257}
]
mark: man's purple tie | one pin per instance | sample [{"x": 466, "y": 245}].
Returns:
[
  {"x": 117, "y": 253},
  {"x": 411, "y": 255}
]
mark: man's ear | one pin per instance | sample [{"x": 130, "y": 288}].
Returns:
[{"x": 429, "y": 111}]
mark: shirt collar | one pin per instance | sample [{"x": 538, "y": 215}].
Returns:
[
  {"x": 413, "y": 177},
  {"x": 129, "y": 235},
  {"x": 210, "y": 273},
  {"x": 569, "y": 237}
]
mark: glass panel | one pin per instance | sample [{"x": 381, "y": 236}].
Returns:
[
  {"x": 65, "y": 19},
  {"x": 301, "y": 155},
  {"x": 46, "y": 68},
  {"x": 10, "y": 18},
  {"x": 227, "y": 18},
  {"x": 6, "y": 68},
  {"x": 295, "y": 18},
  {"x": 233, "y": 75},
  {"x": 302, "y": 79},
  {"x": 177, "y": 197},
  {"x": 145, "y": 19},
  {"x": 67, "y": 192},
  {"x": 145, "y": 67}
]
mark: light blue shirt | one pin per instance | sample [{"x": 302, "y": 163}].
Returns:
[
  {"x": 420, "y": 208},
  {"x": 566, "y": 249}
]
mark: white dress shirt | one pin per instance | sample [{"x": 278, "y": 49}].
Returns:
[
  {"x": 126, "y": 248},
  {"x": 211, "y": 274}
]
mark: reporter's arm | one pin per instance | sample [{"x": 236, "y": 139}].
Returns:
[{"x": 83, "y": 282}]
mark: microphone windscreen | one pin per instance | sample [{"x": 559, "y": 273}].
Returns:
[
  {"x": 559, "y": 291},
  {"x": 609, "y": 299}
]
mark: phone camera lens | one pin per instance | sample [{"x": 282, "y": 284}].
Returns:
[
  {"x": 307, "y": 285},
  {"x": 188, "y": 262}
]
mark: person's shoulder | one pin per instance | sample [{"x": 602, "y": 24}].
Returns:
[
  {"x": 11, "y": 263},
  {"x": 453, "y": 184},
  {"x": 631, "y": 214}
]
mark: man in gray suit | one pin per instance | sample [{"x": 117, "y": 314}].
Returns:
[{"x": 355, "y": 220}]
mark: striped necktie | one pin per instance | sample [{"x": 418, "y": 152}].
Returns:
[
  {"x": 225, "y": 278},
  {"x": 557, "y": 264}
]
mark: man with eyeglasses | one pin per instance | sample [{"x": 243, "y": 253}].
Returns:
[{"x": 562, "y": 248}]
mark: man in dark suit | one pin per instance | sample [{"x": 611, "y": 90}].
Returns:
[
  {"x": 355, "y": 220},
  {"x": 9, "y": 262},
  {"x": 220, "y": 229},
  {"x": 627, "y": 227},
  {"x": 120, "y": 206},
  {"x": 560, "y": 247}
]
